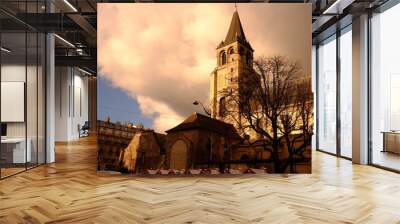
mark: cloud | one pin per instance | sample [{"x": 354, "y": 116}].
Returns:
[
  {"x": 162, "y": 54},
  {"x": 164, "y": 117}
]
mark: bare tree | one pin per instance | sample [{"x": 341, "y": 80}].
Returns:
[
  {"x": 297, "y": 123},
  {"x": 274, "y": 103}
]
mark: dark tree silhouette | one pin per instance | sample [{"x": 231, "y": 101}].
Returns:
[{"x": 273, "y": 102}]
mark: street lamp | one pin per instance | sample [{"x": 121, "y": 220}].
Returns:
[{"x": 204, "y": 108}]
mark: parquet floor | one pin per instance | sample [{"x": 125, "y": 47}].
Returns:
[
  {"x": 11, "y": 170},
  {"x": 70, "y": 191}
]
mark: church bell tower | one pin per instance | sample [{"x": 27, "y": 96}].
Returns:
[{"x": 234, "y": 60}]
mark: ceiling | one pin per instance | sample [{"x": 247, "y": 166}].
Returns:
[
  {"x": 330, "y": 15},
  {"x": 75, "y": 22}
]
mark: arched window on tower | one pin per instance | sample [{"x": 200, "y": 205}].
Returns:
[
  {"x": 231, "y": 52},
  {"x": 222, "y": 107},
  {"x": 223, "y": 58},
  {"x": 248, "y": 58}
]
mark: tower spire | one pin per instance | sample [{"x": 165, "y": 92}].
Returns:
[{"x": 235, "y": 31}]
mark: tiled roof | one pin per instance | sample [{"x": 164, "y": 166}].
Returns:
[{"x": 199, "y": 121}]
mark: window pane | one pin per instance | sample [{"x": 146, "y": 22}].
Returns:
[
  {"x": 346, "y": 94},
  {"x": 31, "y": 97},
  {"x": 327, "y": 96},
  {"x": 385, "y": 84},
  {"x": 314, "y": 82},
  {"x": 13, "y": 86},
  {"x": 41, "y": 98},
  {"x": 23, "y": 90}
]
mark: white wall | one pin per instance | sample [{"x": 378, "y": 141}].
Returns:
[
  {"x": 71, "y": 102},
  {"x": 62, "y": 82},
  {"x": 13, "y": 73},
  {"x": 33, "y": 127}
]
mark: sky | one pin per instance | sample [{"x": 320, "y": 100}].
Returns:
[
  {"x": 116, "y": 103},
  {"x": 155, "y": 60}
]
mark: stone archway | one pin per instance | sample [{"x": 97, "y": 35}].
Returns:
[{"x": 179, "y": 155}]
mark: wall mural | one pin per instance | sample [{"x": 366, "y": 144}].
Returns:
[{"x": 203, "y": 89}]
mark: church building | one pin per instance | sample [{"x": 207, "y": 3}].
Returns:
[{"x": 234, "y": 62}]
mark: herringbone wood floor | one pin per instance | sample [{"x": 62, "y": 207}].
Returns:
[{"x": 70, "y": 191}]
